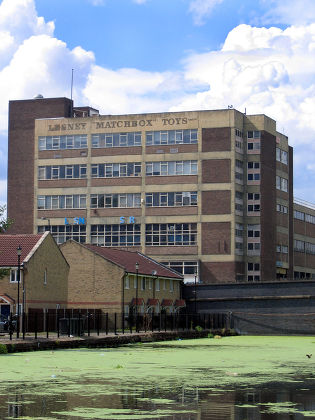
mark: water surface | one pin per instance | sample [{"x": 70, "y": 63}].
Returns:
[{"x": 233, "y": 378}]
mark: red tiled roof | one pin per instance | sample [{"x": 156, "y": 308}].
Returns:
[
  {"x": 6, "y": 298},
  {"x": 167, "y": 302},
  {"x": 137, "y": 302},
  {"x": 152, "y": 302},
  {"x": 9, "y": 244},
  {"x": 128, "y": 260},
  {"x": 179, "y": 303}
]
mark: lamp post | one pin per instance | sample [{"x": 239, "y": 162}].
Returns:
[
  {"x": 18, "y": 251},
  {"x": 48, "y": 220},
  {"x": 137, "y": 271},
  {"x": 195, "y": 291}
]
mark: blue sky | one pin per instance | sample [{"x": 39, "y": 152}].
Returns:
[{"x": 165, "y": 55}]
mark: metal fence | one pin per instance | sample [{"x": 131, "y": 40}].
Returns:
[{"x": 56, "y": 323}]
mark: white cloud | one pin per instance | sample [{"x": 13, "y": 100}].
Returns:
[
  {"x": 289, "y": 12},
  {"x": 264, "y": 70},
  {"x": 201, "y": 9}
]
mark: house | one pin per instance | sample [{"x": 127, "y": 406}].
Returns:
[
  {"x": 117, "y": 281},
  {"x": 43, "y": 273}
]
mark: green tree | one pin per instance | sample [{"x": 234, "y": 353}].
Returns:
[{"x": 5, "y": 223}]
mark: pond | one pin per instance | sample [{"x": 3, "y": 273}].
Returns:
[{"x": 232, "y": 378}]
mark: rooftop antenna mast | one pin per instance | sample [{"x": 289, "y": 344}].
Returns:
[{"x": 71, "y": 83}]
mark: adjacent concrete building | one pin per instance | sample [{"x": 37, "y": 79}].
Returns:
[{"x": 207, "y": 193}]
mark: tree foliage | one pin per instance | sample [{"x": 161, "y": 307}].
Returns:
[{"x": 5, "y": 223}]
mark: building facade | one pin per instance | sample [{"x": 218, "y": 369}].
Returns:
[
  {"x": 43, "y": 273},
  {"x": 207, "y": 193}
]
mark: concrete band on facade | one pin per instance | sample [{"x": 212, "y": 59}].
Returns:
[{"x": 220, "y": 184}]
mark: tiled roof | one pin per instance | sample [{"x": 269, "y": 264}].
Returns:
[
  {"x": 128, "y": 260},
  {"x": 9, "y": 244}
]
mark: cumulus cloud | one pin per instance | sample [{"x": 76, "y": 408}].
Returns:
[
  {"x": 201, "y": 9},
  {"x": 289, "y": 12},
  {"x": 265, "y": 70}
]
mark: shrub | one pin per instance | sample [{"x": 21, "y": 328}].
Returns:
[
  {"x": 210, "y": 335},
  {"x": 3, "y": 349},
  {"x": 198, "y": 328}
]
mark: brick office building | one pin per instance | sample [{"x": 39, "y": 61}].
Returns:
[{"x": 205, "y": 192}]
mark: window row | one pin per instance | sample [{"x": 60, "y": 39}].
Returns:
[
  {"x": 123, "y": 200},
  {"x": 281, "y": 184},
  {"x": 171, "y": 137},
  {"x": 116, "y": 235},
  {"x": 182, "y": 167},
  {"x": 307, "y": 247},
  {"x": 171, "y": 199},
  {"x": 61, "y": 233},
  {"x": 78, "y": 141},
  {"x": 49, "y": 202},
  {"x": 115, "y": 200},
  {"x": 166, "y": 234},
  {"x": 304, "y": 216},
  {"x": 116, "y": 139},
  {"x": 113, "y": 170},
  {"x": 147, "y": 284},
  {"x": 183, "y": 267},
  {"x": 62, "y": 172}
]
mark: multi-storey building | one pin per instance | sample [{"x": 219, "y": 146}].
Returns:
[{"x": 208, "y": 193}]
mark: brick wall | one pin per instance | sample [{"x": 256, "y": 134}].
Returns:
[
  {"x": 268, "y": 206},
  {"x": 93, "y": 281},
  {"x": 216, "y": 139},
  {"x": 216, "y": 170},
  {"x": 22, "y": 116},
  {"x": 216, "y": 238},
  {"x": 216, "y": 202}
]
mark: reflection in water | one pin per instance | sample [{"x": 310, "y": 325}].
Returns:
[{"x": 279, "y": 401}]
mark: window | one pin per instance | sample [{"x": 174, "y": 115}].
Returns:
[
  {"x": 171, "y": 137},
  {"x": 78, "y": 141},
  {"x": 281, "y": 184},
  {"x": 183, "y": 267},
  {"x": 253, "y": 208},
  {"x": 45, "y": 276},
  {"x": 253, "y": 266},
  {"x": 282, "y": 209},
  {"x": 61, "y": 233},
  {"x": 282, "y": 249},
  {"x": 299, "y": 215},
  {"x": 253, "y": 196},
  {"x": 171, "y": 199},
  {"x": 253, "y": 246},
  {"x": 127, "y": 282},
  {"x": 61, "y": 172},
  {"x": 168, "y": 234},
  {"x": 253, "y": 177},
  {"x": 253, "y": 134},
  {"x": 309, "y": 218},
  {"x": 171, "y": 286},
  {"x": 157, "y": 285},
  {"x": 143, "y": 283},
  {"x": 115, "y": 170},
  {"x": 14, "y": 276},
  {"x": 281, "y": 156},
  {"x": 253, "y": 231},
  {"x": 115, "y": 200},
  {"x": 116, "y": 235},
  {"x": 239, "y": 230},
  {"x": 48, "y": 202},
  {"x": 253, "y": 165},
  {"x": 105, "y": 140},
  {"x": 182, "y": 167}
]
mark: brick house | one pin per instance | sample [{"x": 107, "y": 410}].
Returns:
[
  {"x": 43, "y": 272},
  {"x": 116, "y": 280}
]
